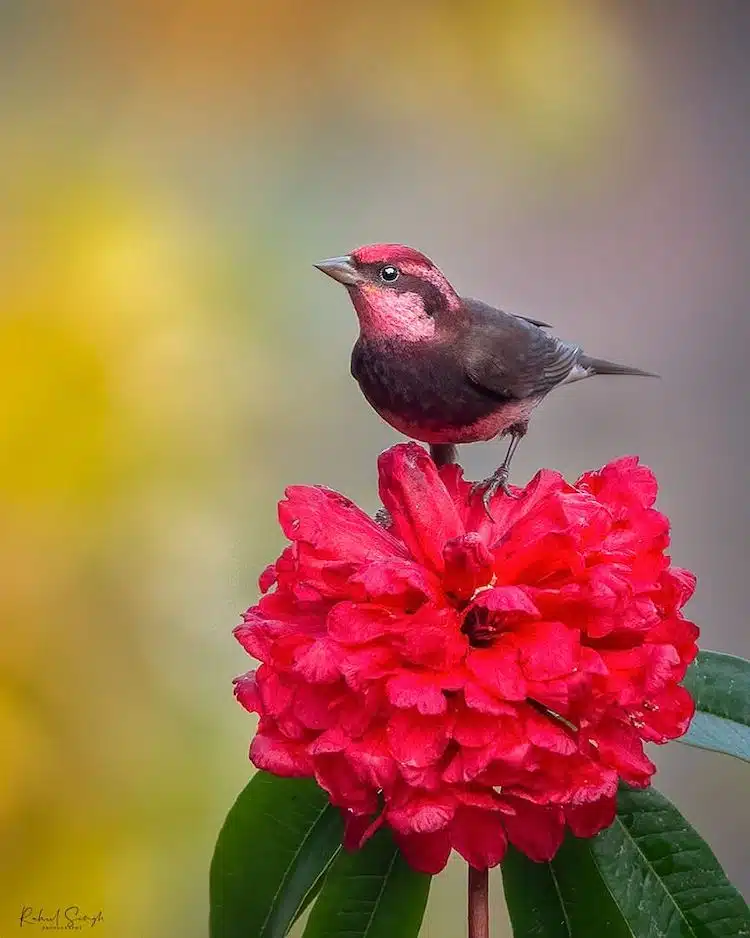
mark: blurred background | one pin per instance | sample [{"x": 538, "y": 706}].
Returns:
[{"x": 170, "y": 360}]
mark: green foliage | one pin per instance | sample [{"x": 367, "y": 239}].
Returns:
[
  {"x": 278, "y": 840},
  {"x": 280, "y": 847},
  {"x": 720, "y": 685},
  {"x": 372, "y": 893},
  {"x": 649, "y": 875},
  {"x": 533, "y": 898}
]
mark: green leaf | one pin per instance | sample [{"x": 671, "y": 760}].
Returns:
[
  {"x": 720, "y": 685},
  {"x": 649, "y": 875},
  {"x": 534, "y": 903},
  {"x": 277, "y": 842},
  {"x": 372, "y": 893},
  {"x": 564, "y": 899},
  {"x": 663, "y": 876}
]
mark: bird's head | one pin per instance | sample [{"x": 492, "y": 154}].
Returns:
[{"x": 397, "y": 292}]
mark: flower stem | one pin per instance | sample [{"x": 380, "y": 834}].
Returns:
[
  {"x": 443, "y": 453},
  {"x": 479, "y": 914}
]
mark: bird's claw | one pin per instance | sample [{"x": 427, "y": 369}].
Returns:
[{"x": 497, "y": 482}]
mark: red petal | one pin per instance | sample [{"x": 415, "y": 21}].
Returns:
[
  {"x": 472, "y": 728},
  {"x": 661, "y": 663},
  {"x": 479, "y": 836},
  {"x": 641, "y": 671},
  {"x": 422, "y": 510},
  {"x": 468, "y": 565},
  {"x": 664, "y": 716},
  {"x": 283, "y": 613},
  {"x": 428, "y": 777},
  {"x": 280, "y": 756},
  {"x": 427, "y": 853},
  {"x": 555, "y": 556},
  {"x": 620, "y": 747},
  {"x": 591, "y": 661},
  {"x": 313, "y": 705},
  {"x": 623, "y": 482},
  {"x": 246, "y": 692},
  {"x": 585, "y": 820},
  {"x": 358, "y": 828},
  {"x": 452, "y": 477},
  {"x": 677, "y": 586},
  {"x": 512, "y": 603},
  {"x": 332, "y": 740},
  {"x": 360, "y": 667},
  {"x": 479, "y": 798},
  {"x": 547, "y": 650},
  {"x": 398, "y": 582},
  {"x": 276, "y": 694},
  {"x": 318, "y": 662},
  {"x": 497, "y": 669},
  {"x": 412, "y": 689},
  {"x": 417, "y": 740},
  {"x": 508, "y": 512},
  {"x": 496, "y": 741},
  {"x": 334, "y": 526},
  {"x": 546, "y": 733},
  {"x": 357, "y": 711},
  {"x": 313, "y": 575},
  {"x": 432, "y": 638},
  {"x": 479, "y": 699},
  {"x": 267, "y": 579},
  {"x": 562, "y": 510},
  {"x": 511, "y": 744},
  {"x": 535, "y": 830},
  {"x": 334, "y": 774},
  {"x": 358, "y": 623},
  {"x": 590, "y": 781},
  {"x": 417, "y": 812},
  {"x": 470, "y": 507},
  {"x": 677, "y": 631},
  {"x": 371, "y": 759},
  {"x": 255, "y": 636},
  {"x": 467, "y": 764}
]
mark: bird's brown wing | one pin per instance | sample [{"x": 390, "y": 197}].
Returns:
[
  {"x": 534, "y": 322},
  {"x": 511, "y": 359},
  {"x": 470, "y": 303}
]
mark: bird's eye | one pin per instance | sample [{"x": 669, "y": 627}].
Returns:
[{"x": 388, "y": 274}]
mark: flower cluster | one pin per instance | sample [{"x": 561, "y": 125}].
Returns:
[{"x": 470, "y": 680}]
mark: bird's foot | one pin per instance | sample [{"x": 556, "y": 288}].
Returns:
[{"x": 497, "y": 482}]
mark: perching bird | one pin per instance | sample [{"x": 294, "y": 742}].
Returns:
[{"x": 446, "y": 369}]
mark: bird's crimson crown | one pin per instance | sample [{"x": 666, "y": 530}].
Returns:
[{"x": 470, "y": 681}]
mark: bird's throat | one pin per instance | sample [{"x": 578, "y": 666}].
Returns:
[{"x": 387, "y": 314}]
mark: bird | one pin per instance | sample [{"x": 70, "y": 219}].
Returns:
[{"x": 445, "y": 369}]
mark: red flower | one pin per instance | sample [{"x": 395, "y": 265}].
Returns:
[{"x": 470, "y": 681}]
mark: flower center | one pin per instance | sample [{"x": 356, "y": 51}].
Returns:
[{"x": 478, "y": 626}]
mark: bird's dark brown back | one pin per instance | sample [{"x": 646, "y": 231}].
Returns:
[{"x": 507, "y": 357}]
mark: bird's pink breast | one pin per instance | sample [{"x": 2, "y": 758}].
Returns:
[
  {"x": 486, "y": 428},
  {"x": 387, "y": 314}
]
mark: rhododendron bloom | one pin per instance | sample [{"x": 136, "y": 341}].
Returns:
[{"x": 471, "y": 681}]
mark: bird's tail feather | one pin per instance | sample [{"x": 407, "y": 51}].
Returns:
[{"x": 600, "y": 366}]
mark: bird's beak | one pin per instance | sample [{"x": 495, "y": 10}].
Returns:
[{"x": 341, "y": 269}]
